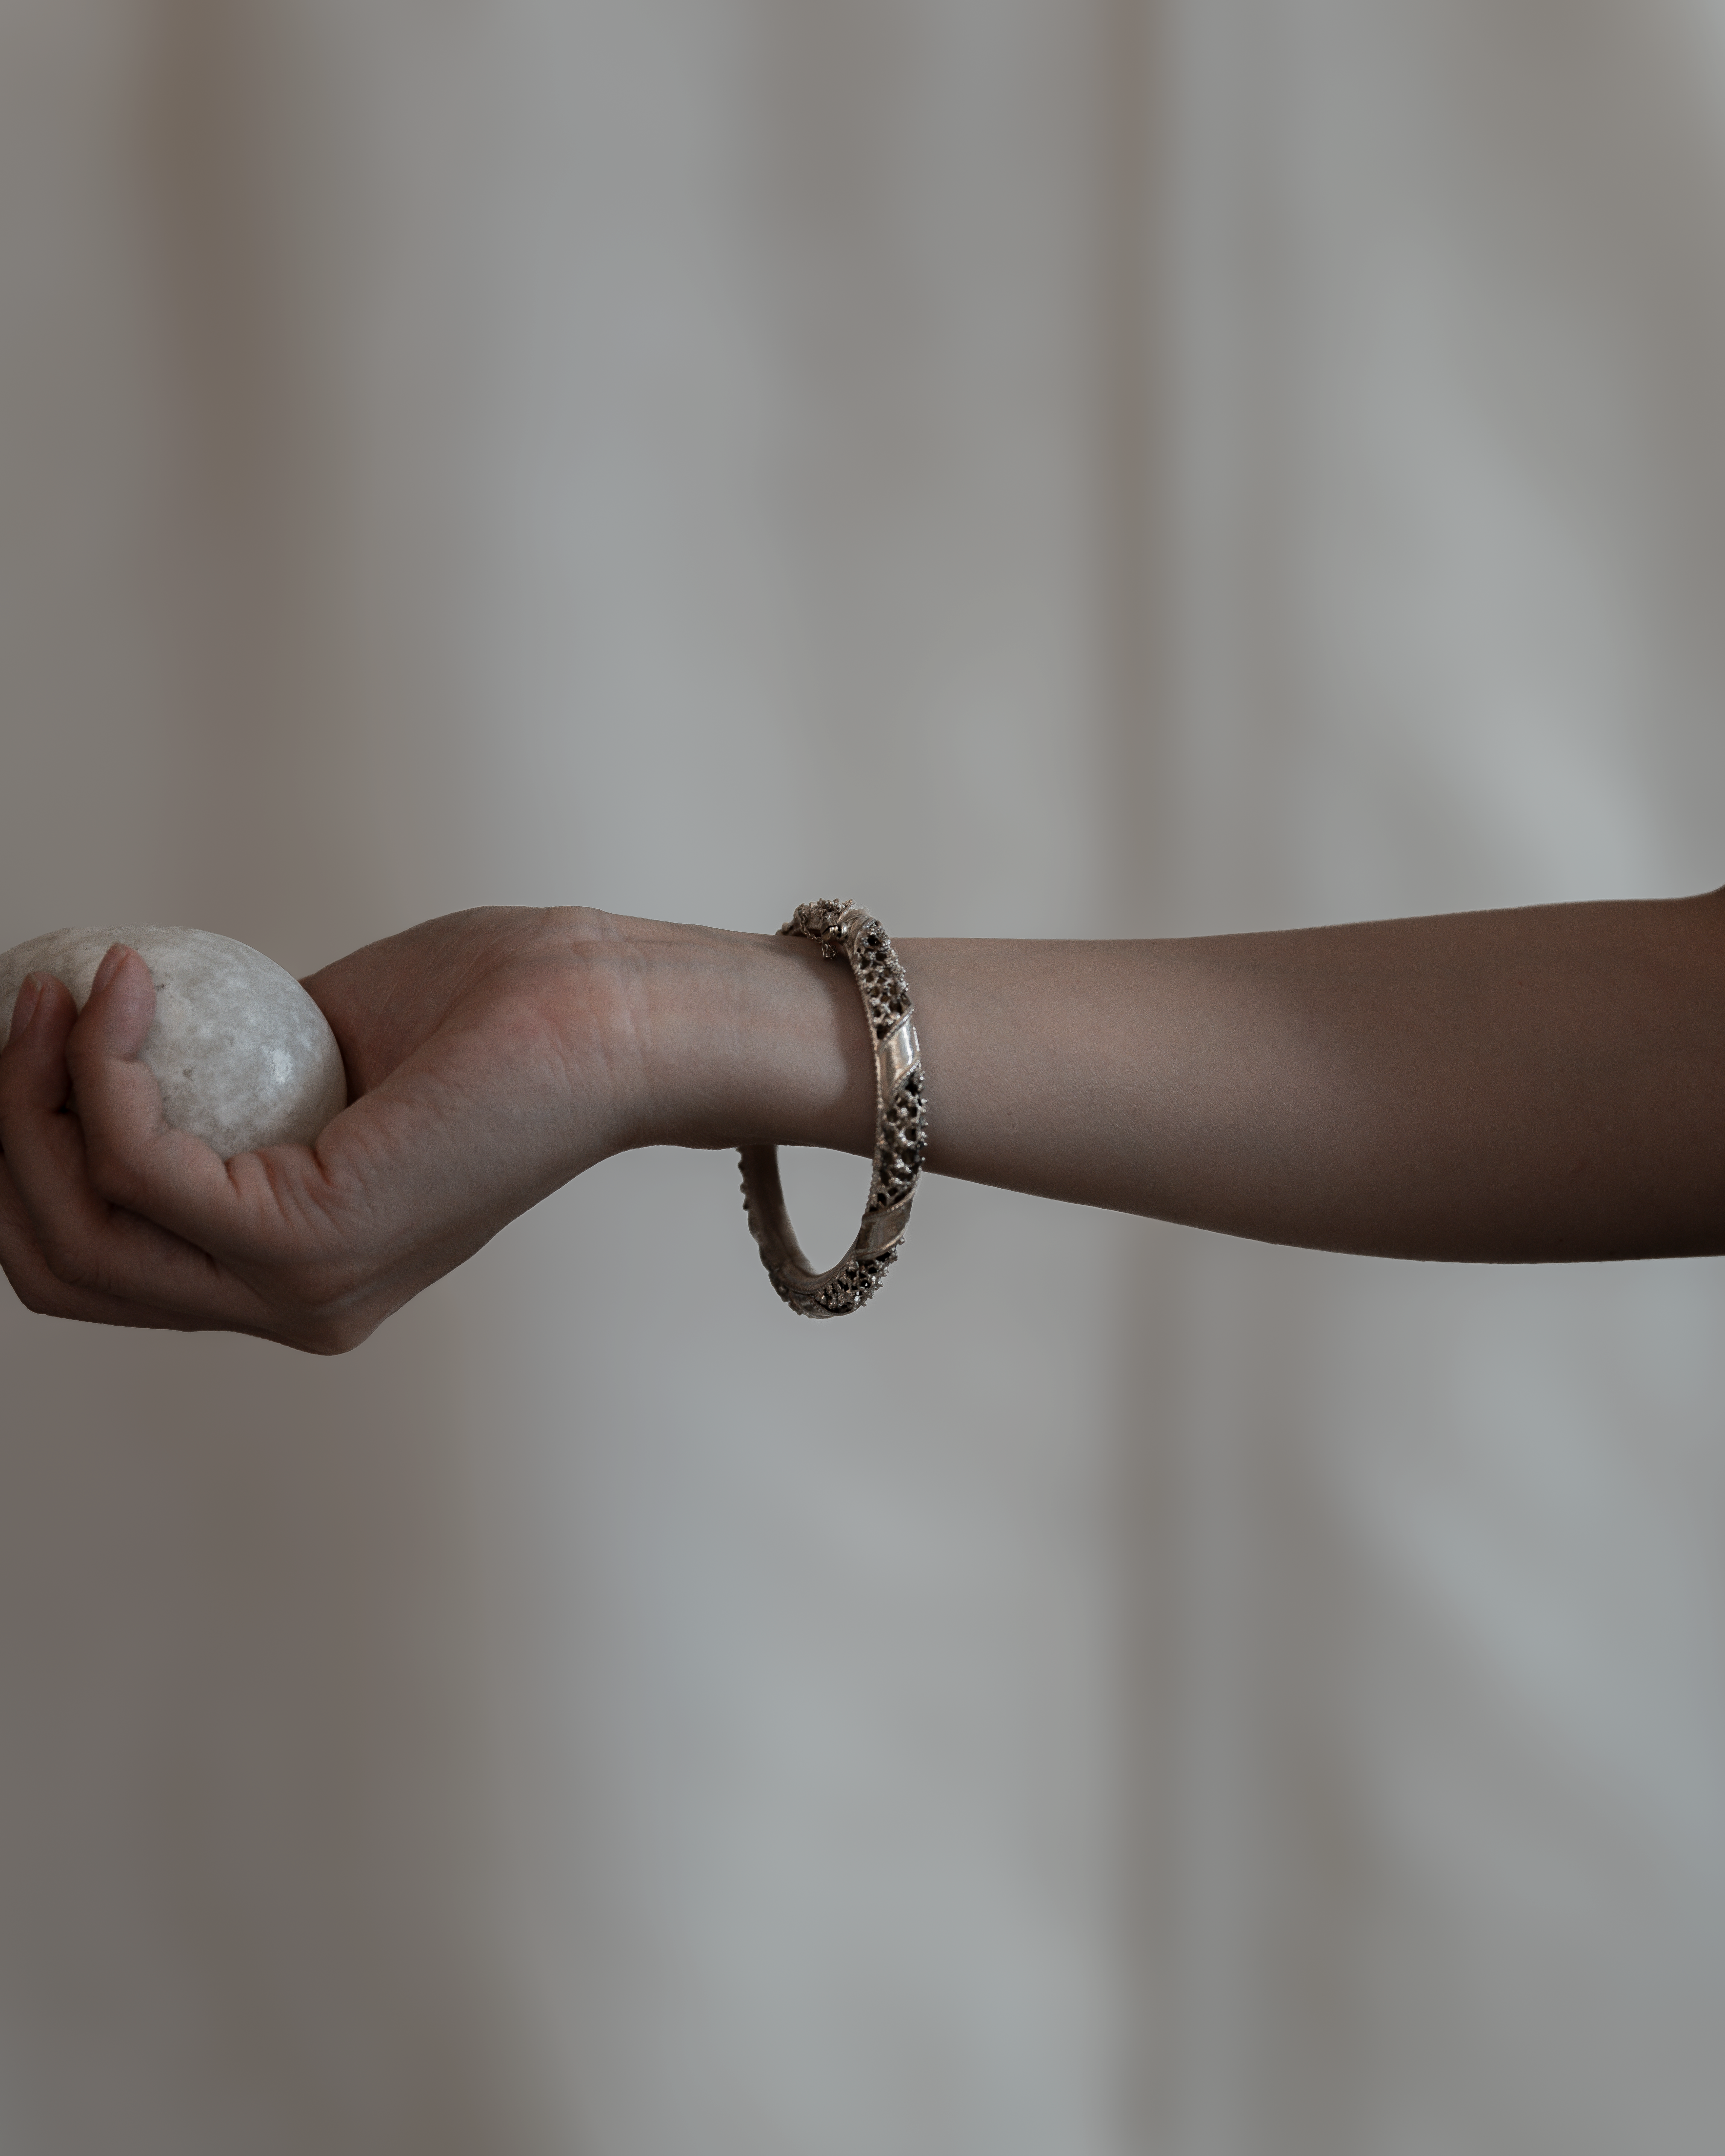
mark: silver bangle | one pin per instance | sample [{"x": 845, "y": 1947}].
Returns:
[{"x": 845, "y": 930}]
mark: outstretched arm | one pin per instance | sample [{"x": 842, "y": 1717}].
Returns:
[{"x": 1543, "y": 1084}]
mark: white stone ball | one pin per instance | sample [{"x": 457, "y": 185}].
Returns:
[{"x": 243, "y": 1056}]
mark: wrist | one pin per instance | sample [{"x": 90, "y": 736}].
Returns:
[{"x": 724, "y": 1038}]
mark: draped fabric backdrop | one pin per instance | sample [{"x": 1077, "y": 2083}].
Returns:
[{"x": 1058, "y": 467}]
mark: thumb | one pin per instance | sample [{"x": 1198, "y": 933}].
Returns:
[
  {"x": 137, "y": 1158},
  {"x": 118, "y": 1100},
  {"x": 120, "y": 1009}
]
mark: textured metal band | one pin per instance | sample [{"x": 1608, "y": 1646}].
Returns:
[{"x": 844, "y": 931}]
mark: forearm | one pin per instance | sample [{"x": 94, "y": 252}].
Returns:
[{"x": 1536, "y": 1085}]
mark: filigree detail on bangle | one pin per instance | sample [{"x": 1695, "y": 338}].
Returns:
[{"x": 844, "y": 931}]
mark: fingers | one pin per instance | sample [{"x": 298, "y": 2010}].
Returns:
[
  {"x": 35, "y": 1085},
  {"x": 270, "y": 1207},
  {"x": 136, "y": 1159},
  {"x": 64, "y": 1239},
  {"x": 40, "y": 1289}
]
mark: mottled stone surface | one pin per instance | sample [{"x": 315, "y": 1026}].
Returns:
[{"x": 244, "y": 1056}]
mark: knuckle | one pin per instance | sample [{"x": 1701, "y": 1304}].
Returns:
[
  {"x": 112, "y": 1176},
  {"x": 68, "y": 1264},
  {"x": 81, "y": 1265},
  {"x": 33, "y": 1292}
]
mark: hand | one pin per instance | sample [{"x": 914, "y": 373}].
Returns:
[{"x": 491, "y": 1056}]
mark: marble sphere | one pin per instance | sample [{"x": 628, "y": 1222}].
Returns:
[{"x": 243, "y": 1056}]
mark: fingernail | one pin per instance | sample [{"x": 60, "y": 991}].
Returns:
[
  {"x": 25, "y": 1009},
  {"x": 110, "y": 966}
]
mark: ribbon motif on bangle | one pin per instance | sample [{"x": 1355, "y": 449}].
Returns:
[{"x": 848, "y": 932}]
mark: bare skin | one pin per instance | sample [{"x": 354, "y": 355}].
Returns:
[{"x": 1539, "y": 1085}]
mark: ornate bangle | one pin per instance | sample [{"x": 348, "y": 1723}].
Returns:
[{"x": 843, "y": 930}]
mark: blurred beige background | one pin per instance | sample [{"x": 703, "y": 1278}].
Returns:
[{"x": 1053, "y": 467}]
